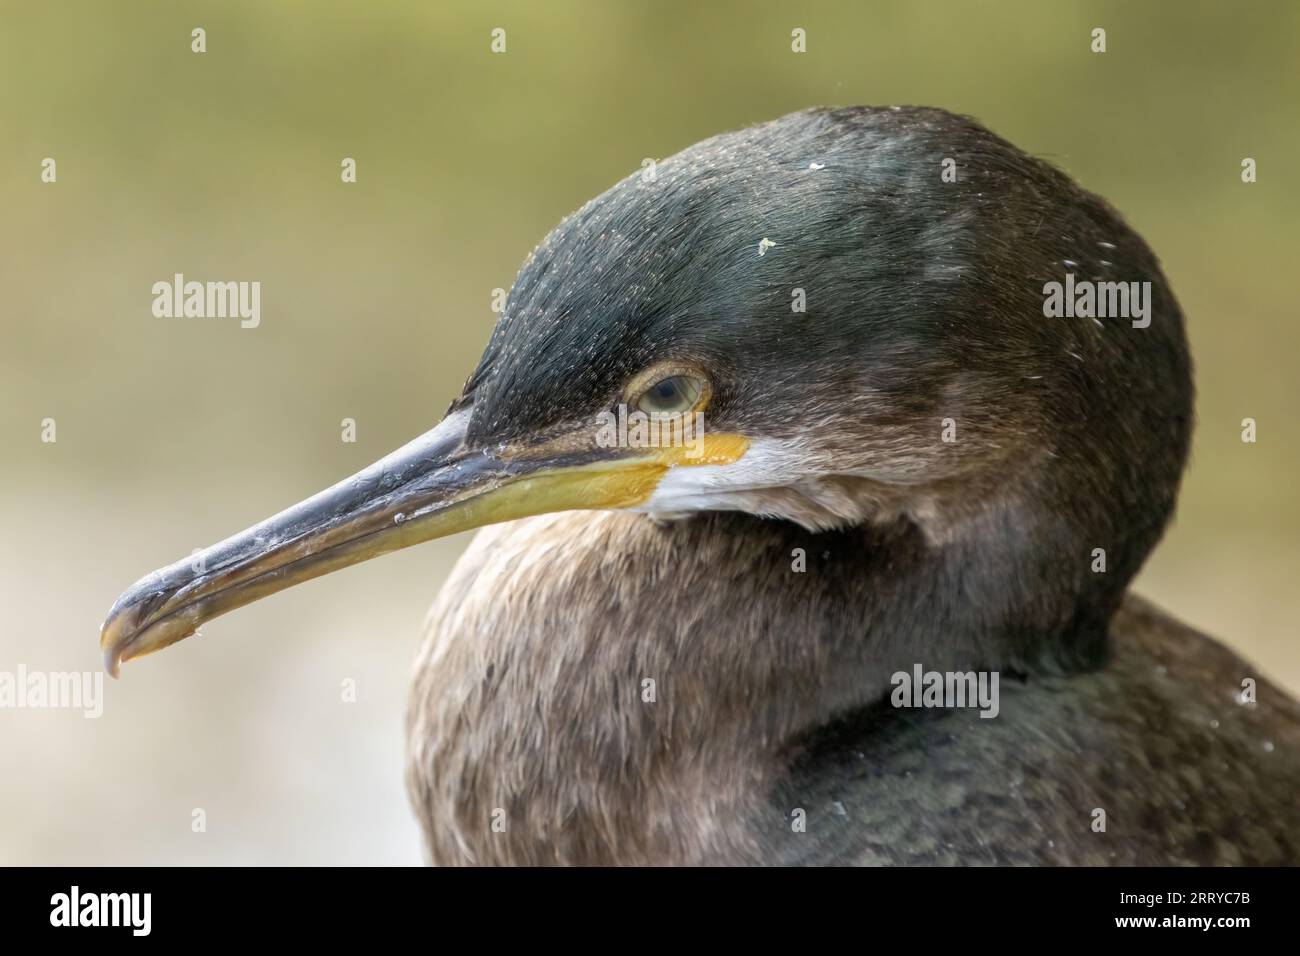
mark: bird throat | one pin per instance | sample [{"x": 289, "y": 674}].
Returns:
[{"x": 597, "y": 688}]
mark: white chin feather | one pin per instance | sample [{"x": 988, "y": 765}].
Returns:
[
  {"x": 689, "y": 488},
  {"x": 771, "y": 480}
]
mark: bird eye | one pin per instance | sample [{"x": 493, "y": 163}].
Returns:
[{"x": 674, "y": 394}]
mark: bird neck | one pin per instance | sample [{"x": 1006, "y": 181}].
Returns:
[{"x": 596, "y": 687}]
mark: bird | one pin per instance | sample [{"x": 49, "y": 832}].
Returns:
[{"x": 885, "y": 457}]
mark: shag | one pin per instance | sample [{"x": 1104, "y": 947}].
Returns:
[{"x": 673, "y": 652}]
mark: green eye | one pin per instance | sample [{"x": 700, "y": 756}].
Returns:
[{"x": 674, "y": 394}]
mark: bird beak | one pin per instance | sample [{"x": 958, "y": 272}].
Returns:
[{"x": 432, "y": 487}]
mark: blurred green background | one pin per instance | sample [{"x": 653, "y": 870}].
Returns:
[{"x": 375, "y": 306}]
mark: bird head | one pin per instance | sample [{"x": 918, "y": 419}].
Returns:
[{"x": 835, "y": 318}]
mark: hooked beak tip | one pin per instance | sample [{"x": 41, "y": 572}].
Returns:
[
  {"x": 112, "y": 661},
  {"x": 111, "y": 646}
]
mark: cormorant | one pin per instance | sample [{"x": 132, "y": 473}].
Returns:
[{"x": 686, "y": 653}]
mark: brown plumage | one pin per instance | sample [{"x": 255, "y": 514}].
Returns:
[{"x": 528, "y": 705}]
